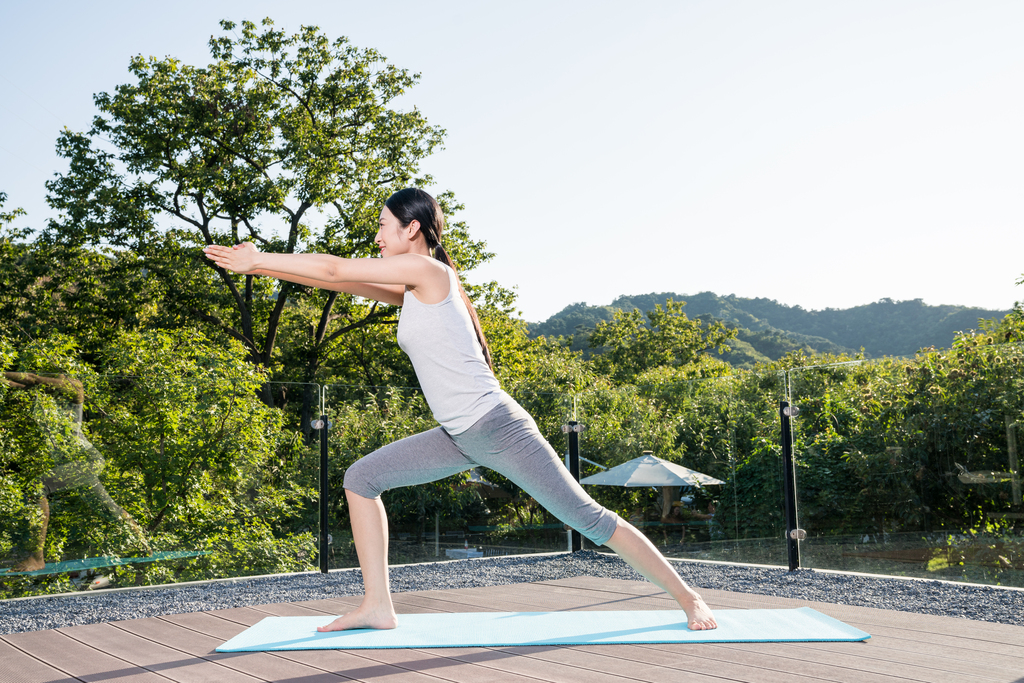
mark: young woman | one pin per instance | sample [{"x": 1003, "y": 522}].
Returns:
[{"x": 480, "y": 423}]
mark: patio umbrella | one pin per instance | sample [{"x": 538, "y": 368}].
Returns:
[{"x": 648, "y": 470}]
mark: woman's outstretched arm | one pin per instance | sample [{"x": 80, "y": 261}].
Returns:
[
  {"x": 388, "y": 294},
  {"x": 381, "y": 279}
]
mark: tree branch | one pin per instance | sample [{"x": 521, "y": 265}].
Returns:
[
  {"x": 374, "y": 316},
  {"x": 293, "y": 230},
  {"x": 253, "y": 233},
  {"x": 297, "y": 96},
  {"x": 210, "y": 318},
  {"x": 24, "y": 380},
  {"x": 179, "y": 213},
  {"x": 325, "y": 317},
  {"x": 238, "y": 154},
  {"x": 275, "y": 321}
]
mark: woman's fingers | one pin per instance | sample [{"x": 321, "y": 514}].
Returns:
[{"x": 230, "y": 258}]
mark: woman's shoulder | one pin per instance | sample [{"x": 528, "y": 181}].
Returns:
[{"x": 436, "y": 283}]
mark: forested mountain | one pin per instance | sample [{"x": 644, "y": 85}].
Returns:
[{"x": 769, "y": 330}]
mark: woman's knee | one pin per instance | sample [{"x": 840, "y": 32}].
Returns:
[{"x": 359, "y": 480}]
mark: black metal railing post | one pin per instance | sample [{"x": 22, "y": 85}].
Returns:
[
  {"x": 324, "y": 427},
  {"x": 573, "y": 429},
  {"x": 794, "y": 534}
]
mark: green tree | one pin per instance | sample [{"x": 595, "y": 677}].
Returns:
[
  {"x": 1010, "y": 328},
  {"x": 631, "y": 345},
  {"x": 60, "y": 288},
  {"x": 200, "y": 458},
  {"x": 183, "y": 446},
  {"x": 288, "y": 141},
  {"x": 13, "y": 252},
  {"x": 13, "y": 507}
]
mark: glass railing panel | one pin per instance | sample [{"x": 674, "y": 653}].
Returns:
[
  {"x": 288, "y": 486},
  {"x": 477, "y": 513},
  {"x": 725, "y": 428},
  {"x": 150, "y": 479},
  {"x": 520, "y": 525},
  {"x": 907, "y": 466},
  {"x": 46, "y": 460},
  {"x": 362, "y": 420}
]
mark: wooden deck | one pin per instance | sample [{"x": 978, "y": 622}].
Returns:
[{"x": 903, "y": 647}]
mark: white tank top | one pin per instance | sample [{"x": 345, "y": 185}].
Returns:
[{"x": 441, "y": 342}]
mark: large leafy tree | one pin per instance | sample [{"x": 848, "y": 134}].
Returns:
[
  {"x": 12, "y": 261},
  {"x": 289, "y": 141},
  {"x": 53, "y": 286},
  {"x": 631, "y": 345},
  {"x": 182, "y": 444}
]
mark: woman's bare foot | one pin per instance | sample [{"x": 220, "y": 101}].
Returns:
[
  {"x": 363, "y": 617},
  {"x": 698, "y": 614},
  {"x": 641, "y": 555}
]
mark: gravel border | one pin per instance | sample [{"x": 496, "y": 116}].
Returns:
[{"x": 967, "y": 601}]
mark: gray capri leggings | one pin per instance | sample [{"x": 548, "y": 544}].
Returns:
[{"x": 505, "y": 440}]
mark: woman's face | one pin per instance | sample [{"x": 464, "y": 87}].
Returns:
[{"x": 391, "y": 237}]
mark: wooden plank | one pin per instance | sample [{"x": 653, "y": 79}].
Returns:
[
  {"x": 932, "y": 623},
  {"x": 939, "y": 658},
  {"x": 521, "y": 663},
  {"x": 166, "y": 661},
  {"x": 588, "y": 667},
  {"x": 479, "y": 663},
  {"x": 541, "y": 598},
  {"x": 207, "y": 623},
  {"x": 795, "y": 656},
  {"x": 786, "y": 659},
  {"x": 695, "y": 659},
  {"x": 335, "y": 608},
  {"x": 994, "y": 638},
  {"x": 442, "y": 664},
  {"x": 662, "y": 663},
  {"x": 570, "y": 597},
  {"x": 890, "y": 646},
  {"x": 905, "y": 646},
  {"x": 698, "y": 663},
  {"x": 77, "y": 660},
  {"x": 740, "y": 663},
  {"x": 960, "y": 654},
  {"x": 256, "y": 664},
  {"x": 19, "y": 667},
  {"x": 518, "y": 600}
]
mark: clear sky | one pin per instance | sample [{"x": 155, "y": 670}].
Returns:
[{"x": 823, "y": 154}]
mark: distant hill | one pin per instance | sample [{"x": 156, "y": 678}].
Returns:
[{"x": 769, "y": 330}]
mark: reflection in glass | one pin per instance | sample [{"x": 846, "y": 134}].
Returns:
[
  {"x": 906, "y": 466},
  {"x": 57, "y": 412}
]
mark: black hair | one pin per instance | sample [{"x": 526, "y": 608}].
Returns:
[{"x": 413, "y": 204}]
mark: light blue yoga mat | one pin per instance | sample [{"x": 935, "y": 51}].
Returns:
[{"x": 501, "y": 629}]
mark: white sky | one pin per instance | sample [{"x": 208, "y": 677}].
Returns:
[{"x": 824, "y": 154}]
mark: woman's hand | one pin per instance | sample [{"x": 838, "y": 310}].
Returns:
[{"x": 240, "y": 258}]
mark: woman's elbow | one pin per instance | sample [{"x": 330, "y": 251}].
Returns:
[{"x": 333, "y": 272}]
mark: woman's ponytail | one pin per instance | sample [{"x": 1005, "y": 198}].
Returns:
[{"x": 441, "y": 255}]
